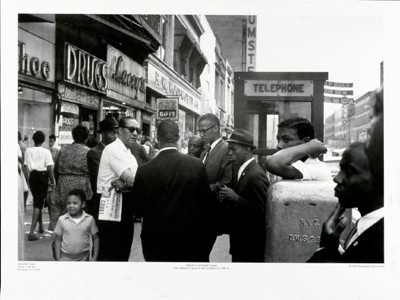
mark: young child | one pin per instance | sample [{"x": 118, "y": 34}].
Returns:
[{"x": 73, "y": 231}]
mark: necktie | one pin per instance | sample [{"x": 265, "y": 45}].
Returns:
[
  {"x": 206, "y": 156},
  {"x": 352, "y": 236}
]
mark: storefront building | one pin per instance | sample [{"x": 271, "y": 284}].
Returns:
[
  {"x": 163, "y": 82},
  {"x": 126, "y": 91},
  {"x": 100, "y": 70},
  {"x": 36, "y": 76}
]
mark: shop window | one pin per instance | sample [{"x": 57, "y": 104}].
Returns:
[{"x": 33, "y": 117}]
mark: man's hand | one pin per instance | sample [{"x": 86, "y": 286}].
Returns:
[
  {"x": 333, "y": 228},
  {"x": 316, "y": 148},
  {"x": 226, "y": 193},
  {"x": 118, "y": 185}
]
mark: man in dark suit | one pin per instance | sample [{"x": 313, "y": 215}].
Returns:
[
  {"x": 216, "y": 160},
  {"x": 172, "y": 196},
  {"x": 108, "y": 128},
  {"x": 359, "y": 184},
  {"x": 245, "y": 201}
]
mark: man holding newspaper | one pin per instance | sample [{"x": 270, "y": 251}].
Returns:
[{"x": 117, "y": 172}]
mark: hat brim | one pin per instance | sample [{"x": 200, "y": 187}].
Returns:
[
  {"x": 100, "y": 131},
  {"x": 245, "y": 144}
]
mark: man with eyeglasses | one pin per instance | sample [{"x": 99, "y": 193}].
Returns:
[
  {"x": 108, "y": 128},
  {"x": 117, "y": 170},
  {"x": 216, "y": 158}
]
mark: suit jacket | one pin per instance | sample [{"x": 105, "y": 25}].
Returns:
[
  {"x": 172, "y": 194},
  {"x": 367, "y": 248},
  {"x": 93, "y": 161},
  {"x": 218, "y": 165},
  {"x": 139, "y": 152},
  {"x": 247, "y": 217}
]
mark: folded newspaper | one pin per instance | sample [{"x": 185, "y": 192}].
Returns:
[{"x": 110, "y": 205}]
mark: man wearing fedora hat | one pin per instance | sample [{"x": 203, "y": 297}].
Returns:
[
  {"x": 108, "y": 128},
  {"x": 245, "y": 201}
]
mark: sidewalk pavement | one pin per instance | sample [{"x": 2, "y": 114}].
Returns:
[{"x": 40, "y": 250}]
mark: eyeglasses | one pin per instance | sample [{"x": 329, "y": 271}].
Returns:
[
  {"x": 132, "y": 129},
  {"x": 203, "y": 131}
]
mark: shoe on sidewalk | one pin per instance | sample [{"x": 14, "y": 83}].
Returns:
[{"x": 33, "y": 237}]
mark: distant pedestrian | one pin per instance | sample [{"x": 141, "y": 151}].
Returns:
[
  {"x": 172, "y": 194},
  {"x": 245, "y": 201},
  {"x": 73, "y": 171},
  {"x": 39, "y": 163},
  {"x": 184, "y": 147},
  {"x": 139, "y": 152},
  {"x": 21, "y": 159},
  {"x": 74, "y": 231},
  {"x": 50, "y": 199},
  {"x": 54, "y": 147},
  {"x": 196, "y": 146}
]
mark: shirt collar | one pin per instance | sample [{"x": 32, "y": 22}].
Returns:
[
  {"x": 84, "y": 215},
  {"x": 368, "y": 220},
  {"x": 168, "y": 148},
  {"x": 244, "y": 165},
  {"x": 121, "y": 144},
  {"x": 215, "y": 143}
]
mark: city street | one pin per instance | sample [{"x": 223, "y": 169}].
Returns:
[{"x": 40, "y": 250}]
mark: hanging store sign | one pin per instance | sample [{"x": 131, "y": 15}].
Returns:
[
  {"x": 279, "y": 88},
  {"x": 164, "y": 84},
  {"x": 126, "y": 78},
  {"x": 78, "y": 95},
  {"x": 35, "y": 56},
  {"x": 167, "y": 108},
  {"x": 84, "y": 69},
  {"x": 251, "y": 36}
]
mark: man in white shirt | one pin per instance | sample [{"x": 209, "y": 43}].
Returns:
[
  {"x": 117, "y": 170},
  {"x": 298, "y": 153}
]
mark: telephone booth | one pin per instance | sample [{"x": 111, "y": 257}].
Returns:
[{"x": 263, "y": 99}]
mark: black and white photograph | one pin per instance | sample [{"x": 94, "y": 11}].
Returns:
[{"x": 200, "y": 150}]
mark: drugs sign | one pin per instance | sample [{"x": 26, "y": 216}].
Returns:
[{"x": 167, "y": 108}]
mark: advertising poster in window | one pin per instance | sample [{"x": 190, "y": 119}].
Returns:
[
  {"x": 69, "y": 119},
  {"x": 167, "y": 108}
]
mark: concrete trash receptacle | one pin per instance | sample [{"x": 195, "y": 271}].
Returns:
[{"x": 296, "y": 211}]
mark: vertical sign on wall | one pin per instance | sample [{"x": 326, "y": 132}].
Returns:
[
  {"x": 68, "y": 120},
  {"x": 251, "y": 35}
]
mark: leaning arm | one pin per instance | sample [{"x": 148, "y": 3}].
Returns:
[{"x": 281, "y": 162}]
